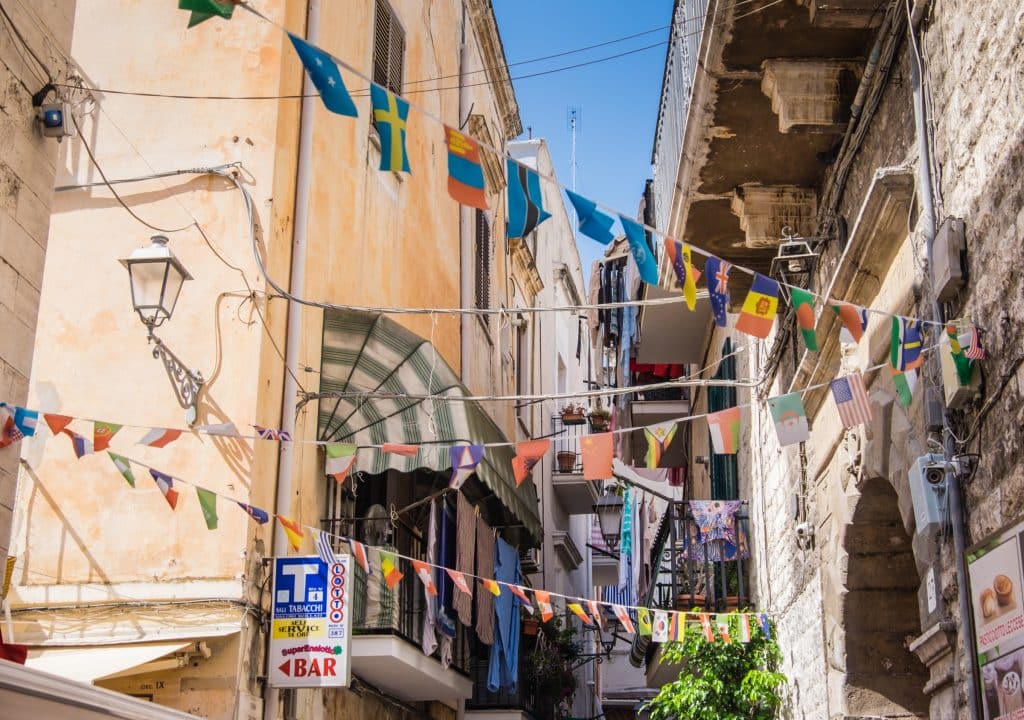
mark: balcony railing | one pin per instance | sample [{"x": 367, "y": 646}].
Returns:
[
  {"x": 566, "y": 439},
  {"x": 670, "y": 394},
  {"x": 523, "y": 698}
]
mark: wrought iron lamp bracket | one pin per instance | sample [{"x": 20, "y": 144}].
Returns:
[{"x": 187, "y": 383}]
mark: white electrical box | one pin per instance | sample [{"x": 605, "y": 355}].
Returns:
[
  {"x": 957, "y": 395},
  {"x": 928, "y": 496},
  {"x": 947, "y": 258}
]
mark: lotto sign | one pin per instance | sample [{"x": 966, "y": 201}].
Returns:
[{"x": 310, "y": 630}]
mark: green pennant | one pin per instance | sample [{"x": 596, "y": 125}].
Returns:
[
  {"x": 643, "y": 621},
  {"x": 803, "y": 305},
  {"x": 203, "y": 10},
  {"x": 964, "y": 365},
  {"x": 208, "y": 502},
  {"x": 904, "y": 385},
  {"x": 124, "y": 466}
]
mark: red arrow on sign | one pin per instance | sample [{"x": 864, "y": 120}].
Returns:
[{"x": 286, "y": 668}]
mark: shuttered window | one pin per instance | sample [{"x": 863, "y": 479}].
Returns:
[
  {"x": 482, "y": 254},
  {"x": 388, "y": 48}
]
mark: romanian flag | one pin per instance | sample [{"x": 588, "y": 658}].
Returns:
[
  {"x": 293, "y": 530},
  {"x": 681, "y": 256},
  {"x": 744, "y": 628},
  {"x": 57, "y": 422},
  {"x": 492, "y": 586},
  {"x": 725, "y": 431},
  {"x": 578, "y": 610},
  {"x": 465, "y": 174},
  {"x": 854, "y": 319},
  {"x": 803, "y": 305},
  {"x": 102, "y": 433},
  {"x": 389, "y": 567},
  {"x": 722, "y": 621},
  {"x": 543, "y": 598},
  {"x": 359, "y": 555},
  {"x": 460, "y": 580},
  {"x": 423, "y": 572},
  {"x": 705, "y": 625},
  {"x": 677, "y": 627},
  {"x": 166, "y": 485},
  {"x": 597, "y": 456},
  {"x": 595, "y": 612},
  {"x": 79, "y": 443},
  {"x": 390, "y": 114},
  {"x": 659, "y": 437},
  {"x": 905, "y": 351},
  {"x": 623, "y": 617},
  {"x": 397, "y": 449},
  {"x": 643, "y": 619},
  {"x": 258, "y": 514},
  {"x": 520, "y": 592},
  {"x": 339, "y": 461},
  {"x": 528, "y": 454},
  {"x": 160, "y": 437},
  {"x": 759, "y": 308}
]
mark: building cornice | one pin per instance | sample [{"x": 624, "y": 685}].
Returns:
[{"x": 485, "y": 27}]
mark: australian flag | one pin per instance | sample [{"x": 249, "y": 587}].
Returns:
[{"x": 717, "y": 271}]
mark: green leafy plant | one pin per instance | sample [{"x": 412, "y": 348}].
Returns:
[
  {"x": 720, "y": 681},
  {"x": 551, "y": 680}
]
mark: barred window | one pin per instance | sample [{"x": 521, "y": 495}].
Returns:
[
  {"x": 482, "y": 265},
  {"x": 388, "y": 48}
]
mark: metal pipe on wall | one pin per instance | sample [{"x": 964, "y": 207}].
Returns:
[{"x": 465, "y": 238}]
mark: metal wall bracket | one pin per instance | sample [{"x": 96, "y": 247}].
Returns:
[{"x": 187, "y": 383}]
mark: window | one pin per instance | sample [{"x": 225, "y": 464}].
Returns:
[
  {"x": 388, "y": 48},
  {"x": 724, "y": 471},
  {"x": 523, "y": 366},
  {"x": 482, "y": 262}
]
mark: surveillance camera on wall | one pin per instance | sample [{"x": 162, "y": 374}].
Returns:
[
  {"x": 804, "y": 535},
  {"x": 55, "y": 119},
  {"x": 935, "y": 473}
]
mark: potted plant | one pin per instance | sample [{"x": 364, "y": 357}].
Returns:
[
  {"x": 573, "y": 414},
  {"x": 566, "y": 461},
  {"x": 600, "y": 418},
  {"x": 551, "y": 681}
]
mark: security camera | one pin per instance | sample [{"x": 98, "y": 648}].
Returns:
[
  {"x": 935, "y": 473},
  {"x": 55, "y": 119},
  {"x": 804, "y": 535}
]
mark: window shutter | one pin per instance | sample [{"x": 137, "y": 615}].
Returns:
[
  {"x": 388, "y": 48},
  {"x": 483, "y": 261}
]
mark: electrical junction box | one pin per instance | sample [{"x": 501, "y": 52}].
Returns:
[
  {"x": 929, "y": 498},
  {"x": 957, "y": 395},
  {"x": 947, "y": 258}
]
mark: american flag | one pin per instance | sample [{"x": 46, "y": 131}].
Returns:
[
  {"x": 975, "y": 351},
  {"x": 851, "y": 400}
]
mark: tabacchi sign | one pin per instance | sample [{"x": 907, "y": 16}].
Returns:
[{"x": 310, "y": 629}]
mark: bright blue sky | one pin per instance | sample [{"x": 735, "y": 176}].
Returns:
[{"x": 618, "y": 98}]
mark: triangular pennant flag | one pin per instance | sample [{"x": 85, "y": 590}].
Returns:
[
  {"x": 622, "y": 615},
  {"x": 677, "y": 627},
  {"x": 717, "y": 271},
  {"x": 12, "y": 652},
  {"x": 595, "y": 612},
  {"x": 25, "y": 421},
  {"x": 528, "y": 454},
  {"x": 203, "y": 10},
  {"x": 766, "y": 629},
  {"x": 465, "y": 174},
  {"x": 57, "y": 422},
  {"x": 659, "y": 437},
  {"x": 227, "y": 429},
  {"x": 9, "y": 432},
  {"x": 390, "y": 115},
  {"x": 579, "y": 612},
  {"x": 544, "y": 606},
  {"x": 123, "y": 466},
  {"x": 79, "y": 443},
  {"x": 790, "y": 418},
  {"x": 359, "y": 555},
  {"x": 339, "y": 461},
  {"x": 398, "y": 449},
  {"x": 208, "y": 503},
  {"x": 659, "y": 632},
  {"x": 803, "y": 305},
  {"x": 725, "y": 431},
  {"x": 326, "y": 77},
  {"x": 464, "y": 459},
  {"x": 592, "y": 222},
  {"x": 264, "y": 433},
  {"x": 293, "y": 530},
  {"x": 423, "y": 572},
  {"x": 597, "y": 456},
  {"x": 643, "y": 254},
  {"x": 160, "y": 437},
  {"x": 460, "y": 581},
  {"x": 705, "y": 625},
  {"x": 491, "y": 586},
  {"x": 258, "y": 514},
  {"x": 525, "y": 202},
  {"x": 389, "y": 568},
  {"x": 681, "y": 256},
  {"x": 102, "y": 433},
  {"x": 166, "y": 484},
  {"x": 722, "y": 621},
  {"x": 905, "y": 352},
  {"x": 520, "y": 592},
  {"x": 643, "y": 620},
  {"x": 759, "y": 308},
  {"x": 744, "y": 619},
  {"x": 905, "y": 383},
  {"x": 324, "y": 548},
  {"x": 974, "y": 349},
  {"x": 964, "y": 365},
  {"x": 854, "y": 320}
]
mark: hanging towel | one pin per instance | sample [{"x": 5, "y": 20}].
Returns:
[
  {"x": 502, "y": 671},
  {"x": 626, "y": 540},
  {"x": 429, "y": 642},
  {"x": 484, "y": 569},
  {"x": 465, "y": 555},
  {"x": 446, "y": 557}
]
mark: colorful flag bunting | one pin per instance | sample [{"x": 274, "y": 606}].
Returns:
[
  {"x": 803, "y": 305},
  {"x": 272, "y": 434},
  {"x": 13, "y": 652},
  {"x": 208, "y": 503},
  {"x": 124, "y": 466},
  {"x": 160, "y": 437},
  {"x": 520, "y": 592},
  {"x": 759, "y": 308},
  {"x": 398, "y": 449},
  {"x": 579, "y": 612},
  {"x": 326, "y": 77},
  {"x": 905, "y": 352},
  {"x": 465, "y": 174},
  {"x": 677, "y": 627},
  {"x": 293, "y": 530},
  {"x": 543, "y": 599},
  {"x": 643, "y": 620},
  {"x": 423, "y": 572},
  {"x": 595, "y": 612},
  {"x": 26, "y": 421},
  {"x": 323, "y": 547},
  {"x": 744, "y": 619},
  {"x": 854, "y": 319},
  {"x": 359, "y": 555},
  {"x": 659, "y": 437},
  {"x": 525, "y": 201},
  {"x": 227, "y": 429},
  {"x": 464, "y": 459},
  {"x": 905, "y": 383},
  {"x": 390, "y": 115},
  {"x": 717, "y": 271},
  {"x": 681, "y": 257},
  {"x": 491, "y": 586},
  {"x": 974, "y": 350},
  {"x": 643, "y": 254},
  {"x": 722, "y": 621},
  {"x": 57, "y": 422},
  {"x": 102, "y": 433},
  {"x": 790, "y": 418},
  {"x": 389, "y": 568},
  {"x": 705, "y": 626},
  {"x": 203, "y": 10},
  {"x": 79, "y": 443},
  {"x": 339, "y": 460},
  {"x": 528, "y": 454},
  {"x": 460, "y": 580},
  {"x": 166, "y": 484},
  {"x": 725, "y": 431},
  {"x": 659, "y": 632},
  {"x": 258, "y": 514},
  {"x": 622, "y": 615},
  {"x": 592, "y": 222},
  {"x": 597, "y": 456},
  {"x": 9, "y": 432},
  {"x": 851, "y": 400},
  {"x": 964, "y": 365},
  {"x": 766, "y": 629}
]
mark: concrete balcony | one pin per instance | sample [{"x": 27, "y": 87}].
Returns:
[{"x": 576, "y": 495}]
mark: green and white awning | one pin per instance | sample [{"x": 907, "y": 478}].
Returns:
[{"x": 369, "y": 353}]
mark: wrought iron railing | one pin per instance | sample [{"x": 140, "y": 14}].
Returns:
[
  {"x": 523, "y": 698},
  {"x": 566, "y": 441}
]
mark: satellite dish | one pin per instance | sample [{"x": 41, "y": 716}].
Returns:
[{"x": 377, "y": 526}]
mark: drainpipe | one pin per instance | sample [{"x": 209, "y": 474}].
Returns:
[
  {"x": 303, "y": 178},
  {"x": 956, "y": 509},
  {"x": 465, "y": 239}
]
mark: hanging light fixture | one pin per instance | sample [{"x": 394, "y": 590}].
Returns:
[
  {"x": 794, "y": 262},
  {"x": 608, "y": 509}
]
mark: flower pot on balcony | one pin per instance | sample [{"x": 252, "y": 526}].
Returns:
[
  {"x": 531, "y": 626},
  {"x": 598, "y": 423},
  {"x": 566, "y": 461},
  {"x": 573, "y": 418}
]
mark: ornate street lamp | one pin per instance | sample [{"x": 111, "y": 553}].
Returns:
[
  {"x": 156, "y": 277},
  {"x": 609, "y": 517}
]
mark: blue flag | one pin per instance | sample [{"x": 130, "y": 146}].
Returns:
[
  {"x": 593, "y": 223},
  {"x": 326, "y": 77},
  {"x": 642, "y": 252},
  {"x": 717, "y": 271},
  {"x": 258, "y": 514},
  {"x": 390, "y": 114},
  {"x": 525, "y": 202}
]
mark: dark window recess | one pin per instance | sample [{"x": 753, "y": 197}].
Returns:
[
  {"x": 482, "y": 256},
  {"x": 388, "y": 48},
  {"x": 725, "y": 483}
]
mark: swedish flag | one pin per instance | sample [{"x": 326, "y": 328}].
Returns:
[{"x": 390, "y": 114}]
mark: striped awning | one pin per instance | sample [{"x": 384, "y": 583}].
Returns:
[{"x": 369, "y": 353}]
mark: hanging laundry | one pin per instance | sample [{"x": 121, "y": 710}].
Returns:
[
  {"x": 326, "y": 77},
  {"x": 484, "y": 568},
  {"x": 465, "y": 555},
  {"x": 390, "y": 114},
  {"x": 429, "y": 641},
  {"x": 503, "y": 667},
  {"x": 447, "y": 535},
  {"x": 759, "y": 308},
  {"x": 525, "y": 201},
  {"x": 592, "y": 222},
  {"x": 465, "y": 174}
]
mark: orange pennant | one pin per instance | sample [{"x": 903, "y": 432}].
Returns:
[
  {"x": 492, "y": 586},
  {"x": 423, "y": 573},
  {"x": 397, "y": 449},
  {"x": 580, "y": 613},
  {"x": 528, "y": 454},
  {"x": 543, "y": 598},
  {"x": 597, "y": 456},
  {"x": 293, "y": 530},
  {"x": 459, "y": 579}
]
